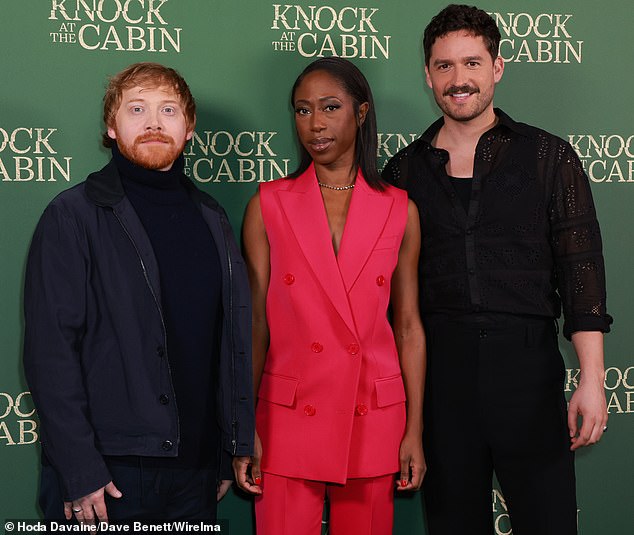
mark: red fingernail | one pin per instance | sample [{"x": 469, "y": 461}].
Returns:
[
  {"x": 403, "y": 482},
  {"x": 258, "y": 480}
]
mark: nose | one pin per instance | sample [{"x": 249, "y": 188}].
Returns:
[
  {"x": 317, "y": 122},
  {"x": 460, "y": 76},
  {"x": 153, "y": 120}
]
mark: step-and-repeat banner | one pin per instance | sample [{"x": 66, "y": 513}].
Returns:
[{"x": 568, "y": 70}]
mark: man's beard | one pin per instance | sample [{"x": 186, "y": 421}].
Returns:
[{"x": 152, "y": 156}]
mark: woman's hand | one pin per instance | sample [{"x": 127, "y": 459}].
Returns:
[
  {"x": 249, "y": 480},
  {"x": 412, "y": 461}
]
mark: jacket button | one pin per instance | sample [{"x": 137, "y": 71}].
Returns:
[
  {"x": 289, "y": 278},
  {"x": 361, "y": 410},
  {"x": 160, "y": 351},
  {"x": 316, "y": 347},
  {"x": 353, "y": 349},
  {"x": 380, "y": 280},
  {"x": 167, "y": 445},
  {"x": 164, "y": 399},
  {"x": 309, "y": 410}
]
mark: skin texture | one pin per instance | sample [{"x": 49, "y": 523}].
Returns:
[
  {"x": 150, "y": 127},
  {"x": 326, "y": 124},
  {"x": 462, "y": 75}
]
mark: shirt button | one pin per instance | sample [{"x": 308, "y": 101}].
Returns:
[
  {"x": 469, "y": 232},
  {"x": 353, "y": 349},
  {"x": 483, "y": 333},
  {"x": 164, "y": 399},
  {"x": 167, "y": 445},
  {"x": 472, "y": 271},
  {"x": 289, "y": 278},
  {"x": 361, "y": 410},
  {"x": 380, "y": 280},
  {"x": 309, "y": 410},
  {"x": 316, "y": 347}
]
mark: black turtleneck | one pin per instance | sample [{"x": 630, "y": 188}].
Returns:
[{"x": 190, "y": 274}]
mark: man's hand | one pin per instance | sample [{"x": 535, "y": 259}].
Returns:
[
  {"x": 249, "y": 482},
  {"x": 91, "y": 508},
  {"x": 588, "y": 401}
]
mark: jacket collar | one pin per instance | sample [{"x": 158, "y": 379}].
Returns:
[{"x": 104, "y": 188}]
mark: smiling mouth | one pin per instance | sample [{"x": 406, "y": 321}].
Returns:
[{"x": 461, "y": 92}]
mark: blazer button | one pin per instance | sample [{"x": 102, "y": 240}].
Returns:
[
  {"x": 316, "y": 347},
  {"x": 380, "y": 280},
  {"x": 289, "y": 278},
  {"x": 361, "y": 410},
  {"x": 160, "y": 351},
  {"x": 309, "y": 410},
  {"x": 167, "y": 445},
  {"x": 164, "y": 399},
  {"x": 353, "y": 349}
]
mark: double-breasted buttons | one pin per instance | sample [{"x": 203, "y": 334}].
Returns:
[
  {"x": 380, "y": 280},
  {"x": 167, "y": 445},
  {"x": 361, "y": 410},
  {"x": 164, "y": 399},
  {"x": 316, "y": 347},
  {"x": 289, "y": 278},
  {"x": 309, "y": 410},
  {"x": 353, "y": 349}
]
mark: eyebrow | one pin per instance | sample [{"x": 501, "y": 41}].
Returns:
[
  {"x": 321, "y": 99},
  {"x": 441, "y": 61}
]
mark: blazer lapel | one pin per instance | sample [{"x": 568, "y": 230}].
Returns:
[
  {"x": 367, "y": 216},
  {"x": 304, "y": 209}
]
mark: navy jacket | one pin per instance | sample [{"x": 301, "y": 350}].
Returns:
[{"x": 95, "y": 342}]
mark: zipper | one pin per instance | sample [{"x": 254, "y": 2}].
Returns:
[
  {"x": 160, "y": 311},
  {"x": 234, "y": 389}
]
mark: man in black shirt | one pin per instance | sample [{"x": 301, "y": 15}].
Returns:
[
  {"x": 509, "y": 237},
  {"x": 137, "y": 333}
]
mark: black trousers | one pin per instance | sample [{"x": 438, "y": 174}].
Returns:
[
  {"x": 494, "y": 402},
  {"x": 150, "y": 492}
]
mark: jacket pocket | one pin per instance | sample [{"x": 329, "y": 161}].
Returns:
[
  {"x": 389, "y": 391},
  {"x": 278, "y": 389}
]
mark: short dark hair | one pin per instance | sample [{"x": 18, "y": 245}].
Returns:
[
  {"x": 456, "y": 17},
  {"x": 356, "y": 86},
  {"x": 145, "y": 74}
]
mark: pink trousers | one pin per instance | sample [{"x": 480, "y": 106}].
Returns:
[{"x": 291, "y": 506}]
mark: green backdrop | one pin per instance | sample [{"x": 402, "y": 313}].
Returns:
[{"x": 568, "y": 70}]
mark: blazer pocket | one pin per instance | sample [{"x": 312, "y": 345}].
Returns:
[
  {"x": 389, "y": 391},
  {"x": 278, "y": 389},
  {"x": 385, "y": 242}
]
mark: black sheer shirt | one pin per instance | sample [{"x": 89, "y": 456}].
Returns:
[{"x": 529, "y": 243}]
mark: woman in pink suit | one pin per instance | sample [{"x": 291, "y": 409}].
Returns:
[{"x": 339, "y": 408}]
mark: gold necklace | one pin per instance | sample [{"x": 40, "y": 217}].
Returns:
[{"x": 337, "y": 188}]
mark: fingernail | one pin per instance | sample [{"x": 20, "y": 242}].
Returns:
[
  {"x": 403, "y": 482},
  {"x": 258, "y": 480}
]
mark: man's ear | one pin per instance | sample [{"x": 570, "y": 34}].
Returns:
[
  {"x": 112, "y": 131},
  {"x": 190, "y": 129},
  {"x": 498, "y": 69}
]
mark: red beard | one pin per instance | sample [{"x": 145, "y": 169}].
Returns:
[{"x": 152, "y": 156}]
